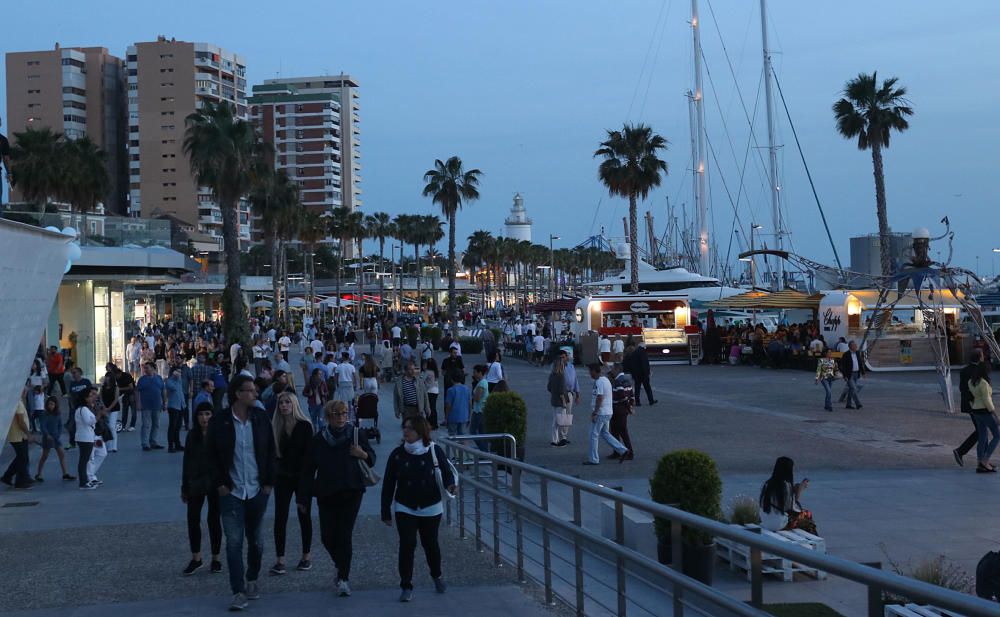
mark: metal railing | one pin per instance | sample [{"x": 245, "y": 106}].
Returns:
[{"x": 537, "y": 522}]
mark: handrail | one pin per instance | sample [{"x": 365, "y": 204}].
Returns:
[{"x": 874, "y": 579}]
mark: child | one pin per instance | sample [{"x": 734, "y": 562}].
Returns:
[
  {"x": 51, "y": 425},
  {"x": 37, "y": 408}
]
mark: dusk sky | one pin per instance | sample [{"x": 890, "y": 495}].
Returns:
[{"x": 524, "y": 91}]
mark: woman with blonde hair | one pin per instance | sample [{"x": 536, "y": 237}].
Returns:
[{"x": 292, "y": 433}]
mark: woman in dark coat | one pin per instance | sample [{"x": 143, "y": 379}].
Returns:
[
  {"x": 292, "y": 433},
  {"x": 196, "y": 489}
]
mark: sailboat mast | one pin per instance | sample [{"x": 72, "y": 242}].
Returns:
[
  {"x": 701, "y": 203},
  {"x": 772, "y": 153}
]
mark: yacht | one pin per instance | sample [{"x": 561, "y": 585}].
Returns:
[{"x": 673, "y": 281}]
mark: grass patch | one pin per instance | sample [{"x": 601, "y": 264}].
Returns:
[{"x": 801, "y": 609}]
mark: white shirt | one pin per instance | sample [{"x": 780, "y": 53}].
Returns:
[
  {"x": 345, "y": 372},
  {"x": 397, "y": 332},
  {"x": 602, "y": 388},
  {"x": 854, "y": 361},
  {"x": 518, "y": 331},
  {"x": 618, "y": 346},
  {"x": 130, "y": 351},
  {"x": 539, "y": 341},
  {"x": 261, "y": 351},
  {"x": 85, "y": 421},
  {"x": 425, "y": 351},
  {"x": 317, "y": 346},
  {"x": 816, "y": 345},
  {"x": 234, "y": 350},
  {"x": 284, "y": 343},
  {"x": 842, "y": 347},
  {"x": 494, "y": 374},
  {"x": 604, "y": 346},
  {"x": 272, "y": 335}
]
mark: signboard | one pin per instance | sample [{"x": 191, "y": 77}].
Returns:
[
  {"x": 579, "y": 314},
  {"x": 906, "y": 351},
  {"x": 639, "y": 307}
]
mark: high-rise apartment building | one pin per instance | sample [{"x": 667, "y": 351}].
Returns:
[
  {"x": 167, "y": 81},
  {"x": 343, "y": 153},
  {"x": 76, "y": 91}
]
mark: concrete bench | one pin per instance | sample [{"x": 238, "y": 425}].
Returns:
[
  {"x": 916, "y": 610},
  {"x": 639, "y": 533},
  {"x": 738, "y": 555}
]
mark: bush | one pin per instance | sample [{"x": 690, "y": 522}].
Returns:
[
  {"x": 471, "y": 344},
  {"x": 433, "y": 334},
  {"x": 412, "y": 333},
  {"x": 497, "y": 334},
  {"x": 505, "y": 412},
  {"x": 744, "y": 510},
  {"x": 688, "y": 480},
  {"x": 938, "y": 571}
]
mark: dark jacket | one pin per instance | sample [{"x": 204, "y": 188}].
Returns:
[
  {"x": 557, "y": 388},
  {"x": 409, "y": 480},
  {"x": 639, "y": 363},
  {"x": 327, "y": 469},
  {"x": 963, "y": 386},
  {"x": 293, "y": 452},
  {"x": 197, "y": 477},
  {"x": 222, "y": 443},
  {"x": 847, "y": 366}
]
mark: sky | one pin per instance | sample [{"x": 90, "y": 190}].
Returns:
[{"x": 525, "y": 91}]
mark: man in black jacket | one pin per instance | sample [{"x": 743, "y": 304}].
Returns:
[
  {"x": 963, "y": 387},
  {"x": 852, "y": 367},
  {"x": 638, "y": 367},
  {"x": 241, "y": 448}
]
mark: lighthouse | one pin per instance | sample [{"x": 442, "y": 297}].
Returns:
[{"x": 518, "y": 225}]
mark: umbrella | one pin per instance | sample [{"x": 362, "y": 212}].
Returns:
[
  {"x": 261, "y": 304},
  {"x": 296, "y": 302},
  {"x": 333, "y": 302}
]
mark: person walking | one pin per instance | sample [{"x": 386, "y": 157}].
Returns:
[
  {"x": 621, "y": 408},
  {"x": 17, "y": 474},
  {"x": 292, "y": 433},
  {"x": 331, "y": 473},
  {"x": 175, "y": 406},
  {"x": 494, "y": 373},
  {"x": 827, "y": 372},
  {"x": 197, "y": 488},
  {"x": 559, "y": 399},
  {"x": 347, "y": 380},
  {"x": 430, "y": 375},
  {"x": 126, "y": 393},
  {"x": 852, "y": 367},
  {"x": 457, "y": 405},
  {"x": 86, "y": 420},
  {"x": 51, "y": 426},
  {"x": 57, "y": 370},
  {"x": 317, "y": 393},
  {"x": 150, "y": 402},
  {"x": 78, "y": 384},
  {"x": 409, "y": 395},
  {"x": 601, "y": 412},
  {"x": 242, "y": 451},
  {"x": 639, "y": 361},
  {"x": 480, "y": 392},
  {"x": 968, "y": 372},
  {"x": 411, "y": 493},
  {"x": 983, "y": 412},
  {"x": 369, "y": 376}
]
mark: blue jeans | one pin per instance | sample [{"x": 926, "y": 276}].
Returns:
[
  {"x": 242, "y": 518},
  {"x": 150, "y": 424},
  {"x": 476, "y": 428},
  {"x": 457, "y": 428},
  {"x": 316, "y": 415},
  {"x": 985, "y": 422},
  {"x": 599, "y": 430},
  {"x": 852, "y": 390},
  {"x": 828, "y": 389}
]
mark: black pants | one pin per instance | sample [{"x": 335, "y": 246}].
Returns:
[
  {"x": 56, "y": 378},
  {"x": 283, "y": 490},
  {"x": 640, "y": 383},
  {"x": 17, "y": 471},
  {"x": 126, "y": 408},
  {"x": 337, "y": 514},
  {"x": 432, "y": 409},
  {"x": 214, "y": 521},
  {"x": 408, "y": 527},
  {"x": 970, "y": 441},
  {"x": 618, "y": 427},
  {"x": 174, "y": 429},
  {"x": 85, "y": 448}
]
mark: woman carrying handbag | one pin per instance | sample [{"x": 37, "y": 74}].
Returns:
[
  {"x": 331, "y": 472},
  {"x": 417, "y": 476},
  {"x": 562, "y": 414}
]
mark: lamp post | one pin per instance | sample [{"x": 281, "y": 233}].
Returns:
[
  {"x": 552, "y": 266},
  {"x": 995, "y": 251}
]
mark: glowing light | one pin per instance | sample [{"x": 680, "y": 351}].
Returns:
[
  {"x": 853, "y": 307},
  {"x": 681, "y": 315}
]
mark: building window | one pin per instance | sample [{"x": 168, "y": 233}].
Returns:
[
  {"x": 167, "y": 99},
  {"x": 32, "y": 76},
  {"x": 165, "y": 56},
  {"x": 33, "y": 62},
  {"x": 169, "y": 156},
  {"x": 166, "y": 84},
  {"x": 34, "y": 91},
  {"x": 166, "y": 113},
  {"x": 166, "y": 70},
  {"x": 33, "y": 105},
  {"x": 133, "y": 87},
  {"x": 166, "y": 127},
  {"x": 72, "y": 90}
]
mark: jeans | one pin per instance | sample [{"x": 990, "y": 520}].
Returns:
[
  {"x": 828, "y": 389},
  {"x": 214, "y": 521},
  {"x": 852, "y": 390},
  {"x": 174, "y": 428},
  {"x": 476, "y": 428},
  {"x": 242, "y": 518},
  {"x": 986, "y": 422},
  {"x": 126, "y": 407},
  {"x": 316, "y": 416},
  {"x": 284, "y": 488},
  {"x": 17, "y": 471},
  {"x": 150, "y": 424},
  {"x": 86, "y": 448},
  {"x": 457, "y": 428},
  {"x": 599, "y": 430},
  {"x": 408, "y": 527},
  {"x": 337, "y": 514}
]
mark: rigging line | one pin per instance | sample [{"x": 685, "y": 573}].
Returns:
[
  {"x": 812, "y": 185},
  {"x": 746, "y": 153},
  {"x": 722, "y": 177},
  {"x": 656, "y": 57},
  {"x": 645, "y": 60},
  {"x": 597, "y": 209}
]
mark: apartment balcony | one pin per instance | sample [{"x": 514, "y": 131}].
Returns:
[{"x": 205, "y": 62}]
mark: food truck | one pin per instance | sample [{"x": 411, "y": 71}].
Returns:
[{"x": 661, "y": 320}]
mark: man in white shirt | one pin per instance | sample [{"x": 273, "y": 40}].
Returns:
[
  {"x": 317, "y": 346},
  {"x": 456, "y": 346},
  {"x": 600, "y": 404},
  {"x": 397, "y": 335},
  {"x": 272, "y": 336},
  {"x": 538, "y": 344},
  {"x": 604, "y": 348},
  {"x": 284, "y": 344},
  {"x": 346, "y": 380}
]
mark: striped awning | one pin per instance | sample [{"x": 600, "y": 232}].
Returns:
[{"x": 785, "y": 299}]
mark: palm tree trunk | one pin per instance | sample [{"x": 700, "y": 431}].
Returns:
[
  {"x": 275, "y": 276},
  {"x": 284, "y": 271},
  {"x": 340, "y": 269},
  {"x": 633, "y": 242},
  {"x": 381, "y": 278},
  {"x": 885, "y": 247},
  {"x": 234, "y": 322},
  {"x": 451, "y": 260},
  {"x": 361, "y": 280},
  {"x": 416, "y": 259}
]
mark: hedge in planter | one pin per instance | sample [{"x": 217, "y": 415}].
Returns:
[
  {"x": 688, "y": 480},
  {"x": 505, "y": 412},
  {"x": 471, "y": 344},
  {"x": 412, "y": 335}
]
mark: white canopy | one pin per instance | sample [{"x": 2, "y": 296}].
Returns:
[
  {"x": 261, "y": 304},
  {"x": 333, "y": 302},
  {"x": 296, "y": 302}
]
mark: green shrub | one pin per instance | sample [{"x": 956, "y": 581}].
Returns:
[
  {"x": 505, "y": 412},
  {"x": 471, "y": 344},
  {"x": 497, "y": 334},
  {"x": 688, "y": 480},
  {"x": 937, "y": 570},
  {"x": 412, "y": 333},
  {"x": 433, "y": 334},
  {"x": 744, "y": 510}
]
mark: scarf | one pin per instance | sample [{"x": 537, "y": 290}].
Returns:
[
  {"x": 339, "y": 438},
  {"x": 417, "y": 448}
]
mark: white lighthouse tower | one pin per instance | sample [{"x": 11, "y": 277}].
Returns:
[{"x": 518, "y": 225}]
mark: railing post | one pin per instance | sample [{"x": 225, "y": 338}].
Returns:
[
  {"x": 518, "y": 526},
  {"x": 461, "y": 506},
  {"x": 756, "y": 575},
  {"x": 875, "y": 608},
  {"x": 546, "y": 545},
  {"x": 496, "y": 518},
  {"x": 676, "y": 557},
  {"x": 620, "y": 561},
  {"x": 578, "y": 551},
  {"x": 479, "y": 509}
]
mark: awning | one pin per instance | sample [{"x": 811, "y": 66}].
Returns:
[
  {"x": 785, "y": 299},
  {"x": 554, "y": 306}
]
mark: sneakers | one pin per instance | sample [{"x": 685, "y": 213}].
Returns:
[
  {"x": 439, "y": 585},
  {"x": 239, "y": 602},
  {"x": 216, "y": 567},
  {"x": 155, "y": 446},
  {"x": 39, "y": 479},
  {"x": 590, "y": 463},
  {"x": 192, "y": 567},
  {"x": 145, "y": 448},
  {"x": 304, "y": 565},
  {"x": 89, "y": 486},
  {"x": 253, "y": 593},
  {"x": 343, "y": 588},
  {"x": 564, "y": 442},
  {"x": 554, "y": 444},
  {"x": 958, "y": 457},
  {"x": 278, "y": 569},
  {"x": 66, "y": 476},
  {"x": 406, "y": 595},
  {"x": 130, "y": 429}
]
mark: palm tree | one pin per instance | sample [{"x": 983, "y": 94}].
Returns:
[
  {"x": 274, "y": 197},
  {"x": 631, "y": 168},
  {"x": 409, "y": 231},
  {"x": 449, "y": 186},
  {"x": 476, "y": 254},
  {"x": 361, "y": 233},
  {"x": 433, "y": 233},
  {"x": 312, "y": 229},
  {"x": 222, "y": 150},
  {"x": 871, "y": 112},
  {"x": 343, "y": 225},
  {"x": 35, "y": 170},
  {"x": 381, "y": 227}
]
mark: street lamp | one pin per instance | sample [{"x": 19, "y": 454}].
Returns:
[
  {"x": 552, "y": 266},
  {"x": 995, "y": 251},
  {"x": 753, "y": 269}
]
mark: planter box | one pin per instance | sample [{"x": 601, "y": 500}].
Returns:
[{"x": 639, "y": 534}]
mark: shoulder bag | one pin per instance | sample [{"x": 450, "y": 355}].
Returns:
[
  {"x": 445, "y": 493},
  {"x": 368, "y": 475}
]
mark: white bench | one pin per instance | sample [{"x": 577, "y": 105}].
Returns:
[
  {"x": 916, "y": 610},
  {"x": 738, "y": 555}
]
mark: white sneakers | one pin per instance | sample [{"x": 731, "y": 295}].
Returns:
[{"x": 343, "y": 588}]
